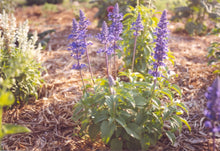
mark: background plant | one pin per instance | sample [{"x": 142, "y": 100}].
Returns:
[
  {"x": 7, "y": 5},
  {"x": 17, "y": 49},
  {"x": 104, "y": 4},
  {"x": 195, "y": 13},
  {"x": 144, "y": 40},
  {"x": 214, "y": 53},
  {"x": 7, "y": 99}
]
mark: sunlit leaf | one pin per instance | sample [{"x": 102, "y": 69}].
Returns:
[{"x": 14, "y": 129}]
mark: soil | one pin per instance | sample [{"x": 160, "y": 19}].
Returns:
[{"x": 50, "y": 116}]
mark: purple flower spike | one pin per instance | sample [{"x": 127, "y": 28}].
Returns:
[
  {"x": 137, "y": 26},
  {"x": 78, "y": 36},
  {"x": 116, "y": 27},
  {"x": 213, "y": 105},
  {"x": 161, "y": 49},
  {"x": 103, "y": 37}
]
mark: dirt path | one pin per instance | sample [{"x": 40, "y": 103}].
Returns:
[{"x": 49, "y": 117}]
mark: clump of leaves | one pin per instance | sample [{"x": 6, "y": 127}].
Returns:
[
  {"x": 7, "y": 99},
  {"x": 195, "y": 12},
  {"x": 17, "y": 49},
  {"x": 131, "y": 115}
]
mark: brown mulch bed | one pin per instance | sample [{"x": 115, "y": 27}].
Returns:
[{"x": 49, "y": 117}]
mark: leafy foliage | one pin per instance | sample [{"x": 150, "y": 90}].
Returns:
[
  {"x": 7, "y": 99},
  {"x": 195, "y": 12},
  {"x": 214, "y": 56},
  {"x": 144, "y": 40},
  {"x": 133, "y": 117},
  {"x": 18, "y": 52},
  {"x": 104, "y": 4}
]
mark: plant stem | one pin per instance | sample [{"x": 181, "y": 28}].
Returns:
[
  {"x": 114, "y": 60},
  {"x": 137, "y": 2},
  {"x": 106, "y": 60},
  {"x": 134, "y": 51},
  {"x": 213, "y": 138},
  {"x": 80, "y": 72},
  {"x": 82, "y": 79},
  {"x": 90, "y": 69}
]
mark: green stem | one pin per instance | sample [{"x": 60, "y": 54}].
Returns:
[
  {"x": 134, "y": 51},
  {"x": 82, "y": 79},
  {"x": 90, "y": 69}
]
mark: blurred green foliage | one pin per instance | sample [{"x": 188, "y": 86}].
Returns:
[
  {"x": 102, "y": 14},
  {"x": 196, "y": 12},
  {"x": 7, "y": 5},
  {"x": 20, "y": 53}
]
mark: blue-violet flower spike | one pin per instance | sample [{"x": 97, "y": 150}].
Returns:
[
  {"x": 161, "y": 49},
  {"x": 213, "y": 105},
  {"x": 137, "y": 25}
]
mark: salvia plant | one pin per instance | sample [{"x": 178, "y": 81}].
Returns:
[
  {"x": 17, "y": 48},
  {"x": 213, "y": 109},
  {"x": 78, "y": 46},
  {"x": 139, "y": 61},
  {"x": 115, "y": 31},
  {"x": 133, "y": 115}
]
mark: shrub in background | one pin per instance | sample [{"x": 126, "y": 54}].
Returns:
[
  {"x": 104, "y": 4},
  {"x": 7, "y": 5},
  {"x": 195, "y": 12},
  {"x": 16, "y": 49},
  {"x": 214, "y": 52}
]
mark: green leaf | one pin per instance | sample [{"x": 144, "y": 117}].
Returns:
[
  {"x": 185, "y": 122},
  {"x": 107, "y": 130},
  {"x": 132, "y": 130},
  {"x": 177, "y": 89},
  {"x": 171, "y": 136},
  {"x": 94, "y": 131},
  {"x": 167, "y": 93},
  {"x": 181, "y": 105},
  {"x": 14, "y": 129},
  {"x": 101, "y": 116},
  {"x": 6, "y": 99},
  {"x": 116, "y": 144},
  {"x": 121, "y": 121},
  {"x": 140, "y": 101},
  {"x": 109, "y": 102}
]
